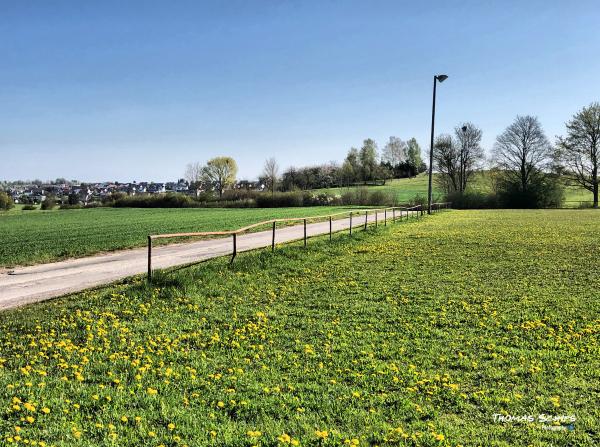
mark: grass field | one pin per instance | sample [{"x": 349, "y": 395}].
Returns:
[
  {"x": 40, "y": 236},
  {"x": 415, "y": 334}
]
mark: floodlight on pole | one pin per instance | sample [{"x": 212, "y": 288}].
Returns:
[{"x": 437, "y": 78}]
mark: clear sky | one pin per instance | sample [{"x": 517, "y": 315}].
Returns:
[{"x": 125, "y": 90}]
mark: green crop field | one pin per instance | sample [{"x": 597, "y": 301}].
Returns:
[
  {"x": 407, "y": 189},
  {"x": 30, "y": 237},
  {"x": 415, "y": 334}
]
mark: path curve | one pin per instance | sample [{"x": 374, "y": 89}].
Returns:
[{"x": 25, "y": 285}]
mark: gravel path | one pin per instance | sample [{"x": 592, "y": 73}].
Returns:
[{"x": 25, "y": 285}]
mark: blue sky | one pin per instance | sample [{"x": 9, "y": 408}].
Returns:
[{"x": 113, "y": 90}]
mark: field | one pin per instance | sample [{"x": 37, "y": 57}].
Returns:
[
  {"x": 407, "y": 189},
  {"x": 414, "y": 334},
  {"x": 41, "y": 236}
]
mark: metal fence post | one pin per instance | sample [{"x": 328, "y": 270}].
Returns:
[
  {"x": 149, "y": 258},
  {"x": 273, "y": 239},
  {"x": 304, "y": 233},
  {"x": 234, "y": 248},
  {"x": 330, "y": 228}
]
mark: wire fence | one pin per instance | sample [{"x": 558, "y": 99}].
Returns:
[{"x": 390, "y": 213}]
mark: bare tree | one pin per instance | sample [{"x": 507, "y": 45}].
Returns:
[
  {"x": 394, "y": 152},
  {"x": 220, "y": 172},
  {"x": 271, "y": 173},
  {"x": 579, "y": 150},
  {"x": 446, "y": 161},
  {"x": 193, "y": 174},
  {"x": 522, "y": 151},
  {"x": 471, "y": 154},
  {"x": 458, "y": 157}
]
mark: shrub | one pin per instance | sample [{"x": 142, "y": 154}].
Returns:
[
  {"x": 48, "y": 203},
  {"x": 66, "y": 206},
  {"x": 362, "y": 196},
  {"x": 29, "y": 208},
  {"x": 6, "y": 201},
  {"x": 545, "y": 191},
  {"x": 168, "y": 200},
  {"x": 280, "y": 200},
  {"x": 472, "y": 200}
]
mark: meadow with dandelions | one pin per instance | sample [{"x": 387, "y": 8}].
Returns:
[{"x": 415, "y": 334}]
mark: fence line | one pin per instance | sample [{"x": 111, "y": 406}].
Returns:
[{"x": 414, "y": 211}]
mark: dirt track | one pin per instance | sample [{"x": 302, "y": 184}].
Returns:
[{"x": 27, "y": 285}]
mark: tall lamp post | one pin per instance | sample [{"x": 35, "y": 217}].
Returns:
[{"x": 436, "y": 79}]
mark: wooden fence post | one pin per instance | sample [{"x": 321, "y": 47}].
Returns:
[
  {"x": 350, "y": 224},
  {"x": 385, "y": 217},
  {"x": 376, "y": 218},
  {"x": 393, "y": 214},
  {"x": 304, "y": 233},
  {"x": 234, "y": 248},
  {"x": 330, "y": 228},
  {"x": 149, "y": 258},
  {"x": 273, "y": 239},
  {"x": 366, "y": 217}
]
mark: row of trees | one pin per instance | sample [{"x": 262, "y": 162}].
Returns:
[
  {"x": 361, "y": 165},
  {"x": 217, "y": 174},
  {"x": 527, "y": 164}
]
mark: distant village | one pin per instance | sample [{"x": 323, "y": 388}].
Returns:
[{"x": 35, "y": 192}]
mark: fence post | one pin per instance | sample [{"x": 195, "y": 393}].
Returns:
[
  {"x": 375, "y": 218},
  {"x": 385, "y": 217},
  {"x": 304, "y": 233},
  {"x": 273, "y": 239},
  {"x": 393, "y": 214},
  {"x": 234, "y": 248},
  {"x": 366, "y": 217},
  {"x": 149, "y": 258},
  {"x": 350, "y": 224},
  {"x": 330, "y": 228}
]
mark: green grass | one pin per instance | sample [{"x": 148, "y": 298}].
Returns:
[
  {"x": 407, "y": 189},
  {"x": 39, "y": 236},
  {"x": 414, "y": 334}
]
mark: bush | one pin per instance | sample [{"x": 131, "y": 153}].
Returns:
[
  {"x": 545, "y": 191},
  {"x": 6, "y": 201},
  {"x": 29, "y": 208},
  {"x": 472, "y": 200},
  {"x": 168, "y": 200},
  {"x": 364, "y": 197},
  {"x": 280, "y": 200},
  {"x": 66, "y": 206},
  {"x": 48, "y": 203}
]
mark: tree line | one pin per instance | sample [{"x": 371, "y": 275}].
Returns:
[{"x": 526, "y": 168}]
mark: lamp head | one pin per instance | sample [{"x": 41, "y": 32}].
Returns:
[{"x": 441, "y": 78}]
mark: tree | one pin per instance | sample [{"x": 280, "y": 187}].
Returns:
[
  {"x": 394, "y": 152},
  {"x": 446, "y": 160},
  {"x": 6, "y": 201},
  {"x": 351, "y": 166},
  {"x": 579, "y": 150},
  {"x": 522, "y": 151},
  {"x": 271, "y": 173},
  {"x": 413, "y": 154},
  {"x": 220, "y": 172},
  {"x": 368, "y": 159},
  {"x": 471, "y": 154},
  {"x": 193, "y": 175}
]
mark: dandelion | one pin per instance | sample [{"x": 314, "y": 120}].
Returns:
[
  {"x": 284, "y": 438},
  {"x": 151, "y": 391},
  {"x": 171, "y": 426},
  {"x": 322, "y": 434}
]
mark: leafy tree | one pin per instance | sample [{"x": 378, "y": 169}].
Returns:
[
  {"x": 6, "y": 201},
  {"x": 394, "y": 152},
  {"x": 368, "y": 159},
  {"x": 220, "y": 172},
  {"x": 580, "y": 149},
  {"x": 523, "y": 152},
  {"x": 413, "y": 155},
  {"x": 48, "y": 203}
]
